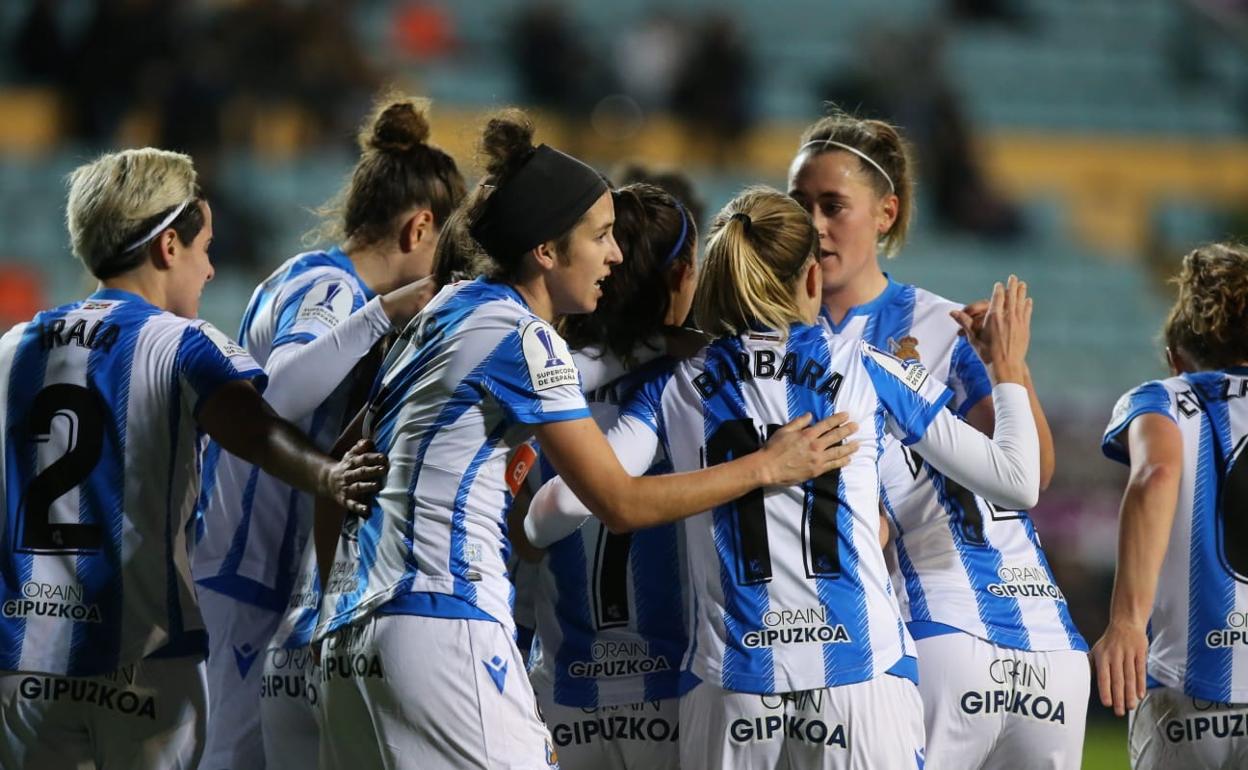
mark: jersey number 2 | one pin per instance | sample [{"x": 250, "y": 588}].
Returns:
[
  {"x": 85, "y": 411},
  {"x": 737, "y": 438}
]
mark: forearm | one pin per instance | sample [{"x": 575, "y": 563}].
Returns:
[
  {"x": 301, "y": 377},
  {"x": 1143, "y": 534},
  {"x": 626, "y": 503},
  {"x": 282, "y": 451},
  {"x": 1005, "y": 468},
  {"x": 1048, "y": 456}
]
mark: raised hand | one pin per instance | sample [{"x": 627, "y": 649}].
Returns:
[{"x": 1002, "y": 336}]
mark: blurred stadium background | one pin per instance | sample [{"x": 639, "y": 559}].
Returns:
[{"x": 1083, "y": 144}]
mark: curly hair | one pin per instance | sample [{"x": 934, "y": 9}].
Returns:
[{"x": 1209, "y": 319}]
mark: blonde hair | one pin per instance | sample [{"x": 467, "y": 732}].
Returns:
[
  {"x": 883, "y": 144},
  {"x": 1209, "y": 319},
  {"x": 758, "y": 245},
  {"x": 115, "y": 199}
]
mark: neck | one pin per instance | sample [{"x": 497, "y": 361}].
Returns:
[
  {"x": 143, "y": 282},
  {"x": 858, "y": 292},
  {"x": 534, "y": 292},
  {"x": 373, "y": 265}
]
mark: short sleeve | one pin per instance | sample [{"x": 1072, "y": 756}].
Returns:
[
  {"x": 207, "y": 359},
  {"x": 314, "y": 310},
  {"x": 1149, "y": 398},
  {"x": 533, "y": 377},
  {"x": 910, "y": 395},
  {"x": 968, "y": 377}
]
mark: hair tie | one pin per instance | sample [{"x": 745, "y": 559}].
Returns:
[
  {"x": 684, "y": 231},
  {"x": 744, "y": 219}
]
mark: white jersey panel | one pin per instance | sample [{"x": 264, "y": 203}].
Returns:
[
  {"x": 102, "y": 470},
  {"x": 255, "y": 526},
  {"x": 611, "y": 608},
  {"x": 962, "y": 562},
  {"x": 1199, "y": 623},
  {"x": 462, "y": 387},
  {"x": 790, "y": 588}
]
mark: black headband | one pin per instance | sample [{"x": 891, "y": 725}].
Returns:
[{"x": 542, "y": 200}]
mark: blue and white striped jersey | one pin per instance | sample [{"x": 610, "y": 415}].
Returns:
[
  {"x": 1198, "y": 629},
  {"x": 611, "y": 608},
  {"x": 464, "y": 384},
  {"x": 789, "y": 586},
  {"x": 963, "y": 564},
  {"x": 102, "y": 469},
  {"x": 253, "y": 526}
]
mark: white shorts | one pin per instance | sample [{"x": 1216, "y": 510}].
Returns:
[
  {"x": 407, "y": 691},
  {"x": 993, "y": 707},
  {"x": 637, "y": 736},
  {"x": 149, "y": 714},
  {"x": 290, "y": 694},
  {"x": 238, "y": 635},
  {"x": 1172, "y": 730},
  {"x": 872, "y": 725}
]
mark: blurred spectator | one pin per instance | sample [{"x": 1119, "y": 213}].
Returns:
[
  {"x": 1007, "y": 12},
  {"x": 712, "y": 87},
  {"x": 649, "y": 56},
  {"x": 900, "y": 77},
  {"x": 112, "y": 70},
  {"x": 39, "y": 50},
  {"x": 556, "y": 67},
  {"x": 673, "y": 182}
]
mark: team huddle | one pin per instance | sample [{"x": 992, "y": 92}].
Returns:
[{"x": 534, "y": 474}]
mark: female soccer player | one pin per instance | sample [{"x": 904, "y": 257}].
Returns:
[
  {"x": 796, "y": 633},
  {"x": 481, "y": 370},
  {"x": 1174, "y": 651},
  {"x": 1001, "y": 665},
  {"x": 308, "y": 324},
  {"x": 101, "y": 641},
  {"x": 610, "y": 608}
]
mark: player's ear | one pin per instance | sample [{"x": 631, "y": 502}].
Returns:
[
  {"x": 416, "y": 228},
  {"x": 165, "y": 249},
  {"x": 1179, "y": 363},
  {"x": 814, "y": 280},
  {"x": 545, "y": 255}
]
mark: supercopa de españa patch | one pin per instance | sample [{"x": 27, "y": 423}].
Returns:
[{"x": 547, "y": 357}]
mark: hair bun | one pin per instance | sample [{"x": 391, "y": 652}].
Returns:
[
  {"x": 506, "y": 142},
  {"x": 399, "y": 126}
]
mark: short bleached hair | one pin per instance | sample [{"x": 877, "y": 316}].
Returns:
[{"x": 116, "y": 198}]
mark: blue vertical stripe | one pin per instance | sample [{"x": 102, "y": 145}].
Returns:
[
  {"x": 459, "y": 565},
  {"x": 914, "y": 586},
  {"x": 1076, "y": 640},
  {"x": 1002, "y": 616},
  {"x": 102, "y": 497},
  {"x": 843, "y": 597},
  {"x": 1211, "y": 588},
  {"x": 659, "y": 610},
  {"x": 744, "y": 605},
  {"x": 567, "y": 564},
  {"x": 26, "y": 376}
]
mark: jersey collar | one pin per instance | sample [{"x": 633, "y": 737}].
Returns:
[
  {"x": 866, "y": 308},
  {"x": 108, "y": 293}
]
